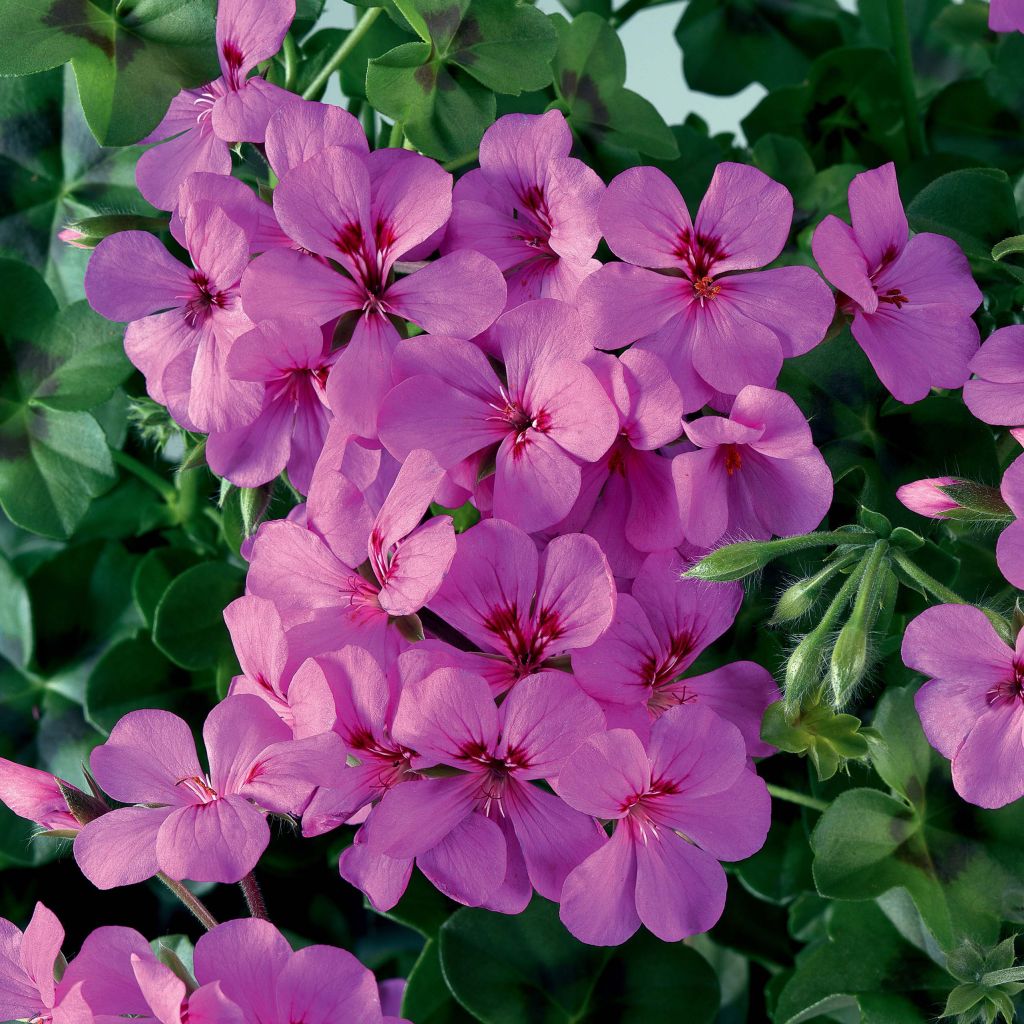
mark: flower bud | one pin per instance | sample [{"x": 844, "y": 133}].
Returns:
[
  {"x": 850, "y": 660},
  {"x": 948, "y": 497},
  {"x": 90, "y": 231},
  {"x": 926, "y": 498},
  {"x": 796, "y": 600},
  {"x": 804, "y": 668}
]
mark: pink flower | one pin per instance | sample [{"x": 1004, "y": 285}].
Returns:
[
  {"x": 209, "y": 827},
  {"x": 275, "y": 669},
  {"x": 27, "y": 987},
  {"x": 183, "y": 319},
  {"x": 925, "y": 498},
  {"x": 627, "y": 498},
  {"x": 1006, "y": 16},
  {"x": 547, "y": 417},
  {"x": 1010, "y": 546},
  {"x": 996, "y": 393},
  {"x": 523, "y": 609},
  {"x": 290, "y": 361},
  {"x": 530, "y": 207},
  {"x": 972, "y": 706},
  {"x": 637, "y": 669},
  {"x": 486, "y": 834},
  {"x": 715, "y": 330},
  {"x": 754, "y": 474},
  {"x": 259, "y": 972},
  {"x": 679, "y": 805},
  {"x": 911, "y": 300},
  {"x": 234, "y": 108},
  {"x": 366, "y": 213},
  {"x": 35, "y": 796},
  {"x": 119, "y": 976},
  {"x": 312, "y": 578}
]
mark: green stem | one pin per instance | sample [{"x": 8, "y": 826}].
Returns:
[
  {"x": 396, "y": 136},
  {"x": 186, "y": 498},
  {"x": 316, "y": 88},
  {"x": 930, "y": 583},
  {"x": 793, "y": 797},
  {"x": 291, "y": 62},
  {"x": 254, "y": 897},
  {"x": 905, "y": 67},
  {"x": 145, "y": 474},
  {"x": 193, "y": 902},
  {"x": 626, "y": 11}
]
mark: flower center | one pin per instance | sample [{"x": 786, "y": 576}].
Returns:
[
  {"x": 199, "y": 786},
  {"x": 705, "y": 288},
  {"x": 1010, "y": 690},
  {"x": 894, "y": 296},
  {"x": 233, "y": 59},
  {"x": 733, "y": 458},
  {"x": 526, "y": 647},
  {"x": 203, "y": 300}
]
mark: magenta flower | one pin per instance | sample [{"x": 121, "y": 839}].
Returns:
[
  {"x": 119, "y": 976},
  {"x": 259, "y": 972},
  {"x": 188, "y": 823},
  {"x": 637, "y": 669},
  {"x": 234, "y": 108},
  {"x": 716, "y": 330},
  {"x": 305, "y": 128},
  {"x": 183, "y": 319},
  {"x": 996, "y": 393},
  {"x": 627, "y": 498},
  {"x": 925, "y": 498},
  {"x": 27, "y": 987},
  {"x": 1006, "y": 16},
  {"x": 290, "y": 360},
  {"x": 679, "y": 806},
  {"x": 1010, "y": 546},
  {"x": 523, "y": 609},
  {"x": 366, "y": 213},
  {"x": 275, "y": 668},
  {"x": 972, "y": 706},
  {"x": 313, "y": 579},
  {"x": 754, "y": 474},
  {"x": 530, "y": 207},
  {"x": 35, "y": 796},
  {"x": 911, "y": 300},
  {"x": 548, "y": 415},
  {"x": 486, "y": 834}
]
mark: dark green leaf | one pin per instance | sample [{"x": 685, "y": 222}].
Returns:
[
  {"x": 16, "y": 636},
  {"x": 427, "y": 999}
]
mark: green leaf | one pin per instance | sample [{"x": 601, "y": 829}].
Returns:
[
  {"x": 781, "y": 869},
  {"x": 427, "y": 999},
  {"x": 52, "y": 173},
  {"x": 189, "y": 624},
  {"x": 527, "y": 968},
  {"x": 974, "y": 207},
  {"x": 16, "y": 636},
  {"x": 53, "y": 367},
  {"x": 422, "y": 907},
  {"x": 900, "y": 753},
  {"x": 129, "y": 63},
  {"x": 441, "y": 89},
  {"x": 727, "y": 44},
  {"x": 1007, "y": 246},
  {"x": 590, "y": 77},
  {"x": 129, "y": 675}
]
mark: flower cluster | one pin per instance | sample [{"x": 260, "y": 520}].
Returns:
[{"x": 244, "y": 971}]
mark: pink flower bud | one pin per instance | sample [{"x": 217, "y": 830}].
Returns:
[{"x": 927, "y": 499}]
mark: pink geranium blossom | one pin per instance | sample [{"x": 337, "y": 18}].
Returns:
[
  {"x": 36, "y": 796},
  {"x": 1010, "y": 546},
  {"x": 911, "y": 298},
  {"x": 258, "y": 970},
  {"x": 313, "y": 577},
  {"x": 485, "y": 835},
  {"x": 925, "y": 497},
  {"x": 679, "y": 292},
  {"x": 755, "y": 473},
  {"x": 678, "y": 805},
  {"x": 183, "y": 319},
  {"x": 547, "y": 416},
  {"x": 637, "y": 669},
  {"x": 28, "y": 990},
  {"x": 972, "y": 706},
  {"x": 530, "y": 207},
  {"x": 522, "y": 609},
  {"x": 366, "y": 213},
  {"x": 189, "y": 823},
  {"x": 234, "y": 108},
  {"x": 996, "y": 392},
  {"x": 289, "y": 360}
]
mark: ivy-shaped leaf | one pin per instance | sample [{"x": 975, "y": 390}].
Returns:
[
  {"x": 442, "y": 88},
  {"x": 54, "y": 367},
  {"x": 130, "y": 58}
]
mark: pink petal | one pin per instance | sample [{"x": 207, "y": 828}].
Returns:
[
  {"x": 536, "y": 482},
  {"x": 215, "y": 842},
  {"x": 784, "y": 433},
  {"x": 236, "y": 733},
  {"x": 418, "y": 567},
  {"x": 412, "y": 198},
  {"x": 645, "y": 219},
  {"x": 605, "y": 773},
  {"x": 598, "y": 902},
  {"x": 788, "y": 496},
  {"x": 325, "y": 985},
  {"x": 243, "y": 115},
  {"x": 988, "y": 768},
  {"x": 957, "y": 643},
  {"x": 103, "y": 972},
  {"x": 933, "y": 271},
  {"x": 131, "y": 275},
  {"x": 155, "y": 342},
  {"x": 654, "y": 412},
  {"x": 119, "y": 848},
  {"x": 286, "y": 283},
  {"x": 286, "y": 773},
  {"x": 703, "y": 495},
  {"x": 948, "y": 709},
  {"x": 415, "y": 816},
  {"x": 162, "y": 989},
  {"x": 469, "y": 864},
  {"x": 249, "y": 980},
  {"x": 303, "y": 129},
  {"x": 161, "y": 170},
  {"x": 40, "y": 947},
  {"x": 577, "y": 592},
  {"x": 879, "y": 223},
  {"x": 1010, "y": 553},
  {"x": 622, "y": 303},
  {"x": 842, "y": 261},
  {"x": 34, "y": 795},
  {"x": 249, "y": 33},
  {"x": 739, "y": 693},
  {"x": 256, "y": 453},
  {"x": 382, "y": 880}
]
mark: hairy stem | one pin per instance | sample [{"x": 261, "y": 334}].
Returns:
[
  {"x": 794, "y": 797},
  {"x": 254, "y": 897},
  {"x": 193, "y": 902},
  {"x": 316, "y": 88}
]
